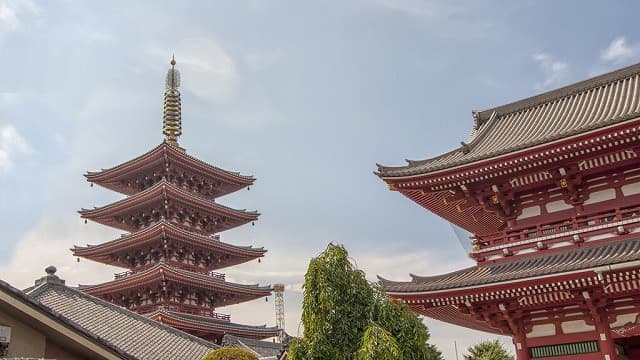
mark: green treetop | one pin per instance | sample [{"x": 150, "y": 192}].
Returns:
[{"x": 345, "y": 317}]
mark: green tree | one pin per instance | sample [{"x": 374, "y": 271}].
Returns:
[
  {"x": 488, "y": 350},
  {"x": 230, "y": 353},
  {"x": 378, "y": 344},
  {"x": 435, "y": 353},
  {"x": 345, "y": 317}
]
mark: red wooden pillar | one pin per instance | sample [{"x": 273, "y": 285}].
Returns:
[
  {"x": 522, "y": 350},
  {"x": 607, "y": 345},
  {"x": 601, "y": 321}
]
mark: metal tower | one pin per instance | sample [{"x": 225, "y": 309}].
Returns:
[{"x": 278, "y": 290}]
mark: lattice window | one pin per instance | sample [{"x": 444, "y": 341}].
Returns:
[{"x": 564, "y": 349}]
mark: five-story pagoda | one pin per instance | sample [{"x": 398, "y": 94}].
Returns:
[{"x": 173, "y": 247}]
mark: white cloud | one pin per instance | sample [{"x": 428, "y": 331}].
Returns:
[
  {"x": 211, "y": 71},
  {"x": 8, "y": 15},
  {"x": 10, "y": 10},
  {"x": 620, "y": 51},
  {"x": 11, "y": 143},
  {"x": 554, "y": 71},
  {"x": 53, "y": 236},
  {"x": 207, "y": 70}
]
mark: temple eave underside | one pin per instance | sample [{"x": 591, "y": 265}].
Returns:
[{"x": 485, "y": 198}]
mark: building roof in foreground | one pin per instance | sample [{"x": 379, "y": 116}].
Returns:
[
  {"x": 132, "y": 334},
  {"x": 54, "y": 324},
  {"x": 582, "y": 107},
  {"x": 261, "y": 348},
  {"x": 583, "y": 258}
]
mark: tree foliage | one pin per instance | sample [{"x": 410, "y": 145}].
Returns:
[
  {"x": 488, "y": 350},
  {"x": 345, "y": 317},
  {"x": 378, "y": 344},
  {"x": 230, "y": 353}
]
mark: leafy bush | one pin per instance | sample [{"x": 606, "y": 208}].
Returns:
[
  {"x": 230, "y": 353},
  {"x": 488, "y": 350}
]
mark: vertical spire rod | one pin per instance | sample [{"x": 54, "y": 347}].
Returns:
[{"x": 172, "y": 107}]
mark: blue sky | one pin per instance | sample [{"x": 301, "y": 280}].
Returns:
[{"x": 305, "y": 96}]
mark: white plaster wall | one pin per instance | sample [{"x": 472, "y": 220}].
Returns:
[
  {"x": 529, "y": 212},
  {"x": 602, "y": 195},
  {"x": 631, "y": 189},
  {"x": 622, "y": 320},
  {"x": 557, "y": 205},
  {"x": 542, "y": 330},
  {"x": 576, "y": 326}
]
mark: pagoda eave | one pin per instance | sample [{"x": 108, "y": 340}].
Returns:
[
  {"x": 141, "y": 240},
  {"x": 158, "y": 198},
  {"x": 195, "y": 323},
  {"x": 162, "y": 272},
  {"x": 164, "y": 155}
]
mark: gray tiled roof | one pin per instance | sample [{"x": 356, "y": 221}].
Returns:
[
  {"x": 582, "y": 258},
  {"x": 262, "y": 348},
  {"x": 591, "y": 104},
  {"x": 127, "y": 331}
]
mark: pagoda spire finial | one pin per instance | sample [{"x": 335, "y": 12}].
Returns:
[{"x": 172, "y": 108}]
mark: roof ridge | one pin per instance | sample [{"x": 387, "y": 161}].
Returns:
[{"x": 565, "y": 91}]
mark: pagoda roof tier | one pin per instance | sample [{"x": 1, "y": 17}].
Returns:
[
  {"x": 163, "y": 272},
  {"x": 529, "y": 284},
  {"x": 154, "y": 235},
  {"x": 162, "y": 159},
  {"x": 152, "y": 202},
  {"x": 580, "y": 108},
  {"x": 190, "y": 323},
  {"x": 550, "y": 264}
]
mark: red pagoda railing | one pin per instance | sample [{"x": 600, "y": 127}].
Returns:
[
  {"x": 213, "y": 274},
  {"x": 599, "y": 221},
  {"x": 217, "y": 275},
  {"x": 123, "y": 274}
]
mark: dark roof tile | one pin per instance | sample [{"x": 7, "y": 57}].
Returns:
[
  {"x": 591, "y": 104},
  {"x": 583, "y": 258}
]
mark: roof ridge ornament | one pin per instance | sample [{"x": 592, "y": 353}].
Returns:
[
  {"x": 50, "y": 278},
  {"x": 172, "y": 107}
]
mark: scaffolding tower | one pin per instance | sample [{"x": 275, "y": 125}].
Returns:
[{"x": 278, "y": 290}]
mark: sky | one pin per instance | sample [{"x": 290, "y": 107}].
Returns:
[{"x": 306, "y": 96}]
